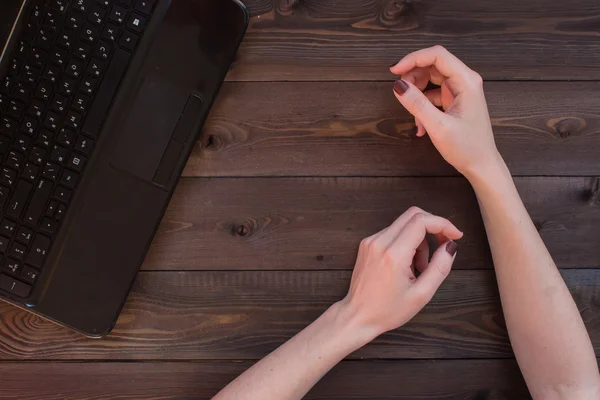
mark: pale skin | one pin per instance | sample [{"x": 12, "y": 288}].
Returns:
[{"x": 547, "y": 334}]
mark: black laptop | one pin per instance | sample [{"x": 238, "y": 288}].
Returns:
[{"x": 101, "y": 102}]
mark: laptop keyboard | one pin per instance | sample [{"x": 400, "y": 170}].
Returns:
[{"x": 62, "y": 79}]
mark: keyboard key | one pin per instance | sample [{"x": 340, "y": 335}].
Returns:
[
  {"x": 29, "y": 125},
  {"x": 14, "y": 286},
  {"x": 48, "y": 226},
  {"x": 15, "y": 160},
  {"x": 51, "y": 19},
  {"x": 95, "y": 68},
  {"x": 59, "y": 103},
  {"x": 8, "y": 176},
  {"x": 88, "y": 85},
  {"x": 118, "y": 14},
  {"x": 8, "y": 125},
  {"x": 144, "y": 6},
  {"x": 84, "y": 144},
  {"x": 81, "y": 102},
  {"x": 66, "y": 86},
  {"x": 110, "y": 33},
  {"x": 59, "y": 56},
  {"x": 67, "y": 39},
  {"x": 127, "y": 3},
  {"x": 44, "y": 90},
  {"x": 102, "y": 50},
  {"x": 36, "y": 108},
  {"x": 23, "y": 91},
  {"x": 38, "y": 202},
  {"x": 104, "y": 3},
  {"x": 30, "y": 171},
  {"x": 50, "y": 171},
  {"x": 30, "y": 73},
  {"x": 39, "y": 57},
  {"x": 128, "y": 40},
  {"x": 11, "y": 267},
  {"x": 81, "y": 5},
  {"x": 82, "y": 51},
  {"x": 7, "y": 85},
  {"x": 73, "y": 120},
  {"x": 69, "y": 178},
  {"x": 58, "y": 154},
  {"x": 7, "y": 228},
  {"x": 51, "y": 121},
  {"x": 15, "y": 67},
  {"x": 52, "y": 73},
  {"x": 136, "y": 23},
  {"x": 24, "y": 235},
  {"x": 17, "y": 250},
  {"x": 51, "y": 209},
  {"x": 16, "y": 109},
  {"x": 3, "y": 102},
  {"x": 28, "y": 274},
  {"x": 60, "y": 212},
  {"x": 76, "y": 162},
  {"x": 4, "y": 193},
  {"x": 22, "y": 143},
  {"x": 97, "y": 16},
  {"x": 45, "y": 38},
  {"x": 45, "y": 137},
  {"x": 66, "y": 137},
  {"x": 37, "y": 155},
  {"x": 5, "y": 142},
  {"x": 4, "y": 244},
  {"x": 62, "y": 194},
  {"x": 90, "y": 33},
  {"x": 20, "y": 196},
  {"x": 74, "y": 69},
  {"x": 39, "y": 248},
  {"x": 74, "y": 21}
]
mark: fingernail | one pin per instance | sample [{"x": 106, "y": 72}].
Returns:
[
  {"x": 400, "y": 87},
  {"x": 451, "y": 247},
  {"x": 392, "y": 64}
]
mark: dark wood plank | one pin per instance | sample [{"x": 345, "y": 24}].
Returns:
[
  {"x": 360, "y": 129},
  {"x": 245, "y": 315},
  {"x": 418, "y": 380},
  {"x": 358, "y": 39},
  {"x": 317, "y": 223}
]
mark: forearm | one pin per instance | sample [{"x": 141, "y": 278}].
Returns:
[
  {"x": 293, "y": 369},
  {"x": 546, "y": 330}
]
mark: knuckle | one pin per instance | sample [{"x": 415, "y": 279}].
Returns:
[
  {"x": 442, "y": 269},
  {"x": 475, "y": 80},
  {"x": 388, "y": 257},
  {"x": 439, "y": 48},
  {"x": 421, "y": 298},
  {"x": 414, "y": 210},
  {"x": 366, "y": 242},
  {"x": 417, "y": 219},
  {"x": 419, "y": 103}
]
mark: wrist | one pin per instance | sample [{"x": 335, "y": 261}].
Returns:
[
  {"x": 351, "y": 325},
  {"x": 493, "y": 170}
]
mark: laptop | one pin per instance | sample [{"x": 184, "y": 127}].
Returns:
[{"x": 101, "y": 102}]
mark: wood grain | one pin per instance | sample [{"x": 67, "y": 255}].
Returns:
[
  {"x": 317, "y": 223},
  {"x": 357, "y": 39},
  {"x": 360, "y": 129},
  {"x": 409, "y": 380},
  {"x": 245, "y": 315}
]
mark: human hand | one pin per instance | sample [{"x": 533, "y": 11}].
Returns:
[
  {"x": 463, "y": 132},
  {"x": 385, "y": 292}
]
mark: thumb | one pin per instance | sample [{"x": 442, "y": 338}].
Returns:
[
  {"x": 417, "y": 104},
  {"x": 438, "y": 269}
]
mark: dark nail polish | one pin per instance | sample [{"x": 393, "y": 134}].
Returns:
[
  {"x": 400, "y": 87},
  {"x": 392, "y": 64},
  {"x": 451, "y": 248}
]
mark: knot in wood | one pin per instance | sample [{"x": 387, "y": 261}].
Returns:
[
  {"x": 213, "y": 142},
  {"x": 565, "y": 127},
  {"x": 242, "y": 230},
  {"x": 288, "y": 5}
]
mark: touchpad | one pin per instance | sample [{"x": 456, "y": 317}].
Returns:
[{"x": 151, "y": 137}]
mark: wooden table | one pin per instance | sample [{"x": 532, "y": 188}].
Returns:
[{"x": 305, "y": 153}]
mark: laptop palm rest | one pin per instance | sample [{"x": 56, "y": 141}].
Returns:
[{"x": 154, "y": 133}]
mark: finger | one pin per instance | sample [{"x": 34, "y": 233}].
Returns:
[
  {"x": 434, "y": 96},
  {"x": 422, "y": 256},
  {"x": 436, "y": 272},
  {"x": 420, "y": 128},
  {"x": 420, "y": 224},
  {"x": 445, "y": 62},
  {"x": 417, "y": 104},
  {"x": 418, "y": 77},
  {"x": 389, "y": 234}
]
